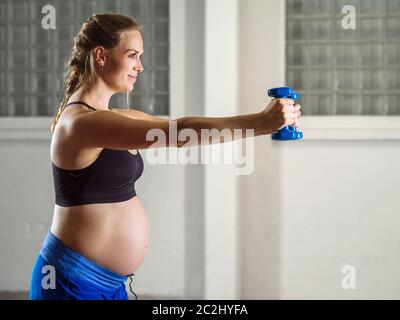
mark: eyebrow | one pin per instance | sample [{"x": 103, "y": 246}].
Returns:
[{"x": 133, "y": 50}]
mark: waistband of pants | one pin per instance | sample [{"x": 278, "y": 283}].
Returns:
[{"x": 74, "y": 265}]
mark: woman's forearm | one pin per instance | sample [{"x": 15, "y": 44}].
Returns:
[{"x": 211, "y": 130}]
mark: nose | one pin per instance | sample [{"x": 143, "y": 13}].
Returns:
[{"x": 139, "y": 67}]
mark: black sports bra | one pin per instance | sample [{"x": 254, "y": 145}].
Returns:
[{"x": 110, "y": 178}]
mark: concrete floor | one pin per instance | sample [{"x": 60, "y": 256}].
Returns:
[{"x": 22, "y": 295}]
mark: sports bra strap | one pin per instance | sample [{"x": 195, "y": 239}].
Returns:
[{"x": 84, "y": 103}]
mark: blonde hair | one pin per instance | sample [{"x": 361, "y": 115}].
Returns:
[{"x": 99, "y": 30}]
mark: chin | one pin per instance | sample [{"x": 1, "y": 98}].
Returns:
[{"x": 125, "y": 89}]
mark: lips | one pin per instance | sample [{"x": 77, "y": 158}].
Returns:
[{"x": 131, "y": 76}]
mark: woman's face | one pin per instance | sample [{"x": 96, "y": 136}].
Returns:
[{"x": 122, "y": 64}]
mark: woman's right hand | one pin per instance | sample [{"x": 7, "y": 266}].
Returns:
[{"x": 281, "y": 112}]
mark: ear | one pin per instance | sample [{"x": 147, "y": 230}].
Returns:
[{"x": 99, "y": 55}]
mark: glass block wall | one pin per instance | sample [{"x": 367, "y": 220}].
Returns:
[
  {"x": 344, "y": 71},
  {"x": 32, "y": 58}
]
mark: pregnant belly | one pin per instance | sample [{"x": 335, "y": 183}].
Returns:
[
  {"x": 129, "y": 239},
  {"x": 114, "y": 235}
]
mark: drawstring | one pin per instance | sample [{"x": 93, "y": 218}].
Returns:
[{"x": 130, "y": 287}]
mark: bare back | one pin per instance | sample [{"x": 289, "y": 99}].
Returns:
[{"x": 114, "y": 235}]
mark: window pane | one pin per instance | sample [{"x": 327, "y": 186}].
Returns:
[
  {"x": 295, "y": 7},
  {"x": 393, "y": 6},
  {"x": 356, "y": 70},
  {"x": 322, "y": 104},
  {"x": 297, "y": 79},
  {"x": 372, "y": 79},
  {"x": 348, "y": 79},
  {"x": 393, "y": 28},
  {"x": 159, "y": 9},
  {"x": 295, "y": 29},
  {"x": 372, "y": 29},
  {"x": 33, "y": 59},
  {"x": 393, "y": 104},
  {"x": 19, "y": 60},
  {"x": 393, "y": 79},
  {"x": 319, "y": 55},
  {"x": 320, "y": 6},
  {"x": 347, "y": 54},
  {"x": 320, "y": 79},
  {"x": 320, "y": 29},
  {"x": 393, "y": 53},
  {"x": 348, "y": 104},
  {"x": 372, "y": 54},
  {"x": 373, "y": 104}
]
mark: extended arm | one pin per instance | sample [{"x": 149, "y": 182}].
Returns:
[
  {"x": 211, "y": 130},
  {"x": 215, "y": 129},
  {"x": 115, "y": 131}
]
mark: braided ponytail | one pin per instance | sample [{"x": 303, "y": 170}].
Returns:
[{"x": 99, "y": 30}]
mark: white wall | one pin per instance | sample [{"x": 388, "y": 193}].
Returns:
[
  {"x": 26, "y": 200},
  {"x": 194, "y": 275},
  {"x": 315, "y": 205},
  {"x": 261, "y": 35},
  {"x": 222, "y": 264},
  {"x": 340, "y": 206}
]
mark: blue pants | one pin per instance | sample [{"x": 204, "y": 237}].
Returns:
[{"x": 61, "y": 273}]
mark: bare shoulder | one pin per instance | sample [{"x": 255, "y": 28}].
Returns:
[
  {"x": 113, "y": 130},
  {"x": 137, "y": 114},
  {"x": 65, "y": 150}
]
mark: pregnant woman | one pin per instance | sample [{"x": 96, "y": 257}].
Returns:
[{"x": 100, "y": 234}]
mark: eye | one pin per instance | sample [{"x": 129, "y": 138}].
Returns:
[{"x": 133, "y": 55}]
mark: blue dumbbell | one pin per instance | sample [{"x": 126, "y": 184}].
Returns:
[{"x": 288, "y": 132}]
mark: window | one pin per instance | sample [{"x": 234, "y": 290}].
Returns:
[
  {"x": 32, "y": 58},
  {"x": 344, "y": 71}
]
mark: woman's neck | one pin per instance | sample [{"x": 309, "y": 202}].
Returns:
[{"x": 97, "y": 96}]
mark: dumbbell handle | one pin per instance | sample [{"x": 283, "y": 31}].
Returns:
[{"x": 287, "y": 132}]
